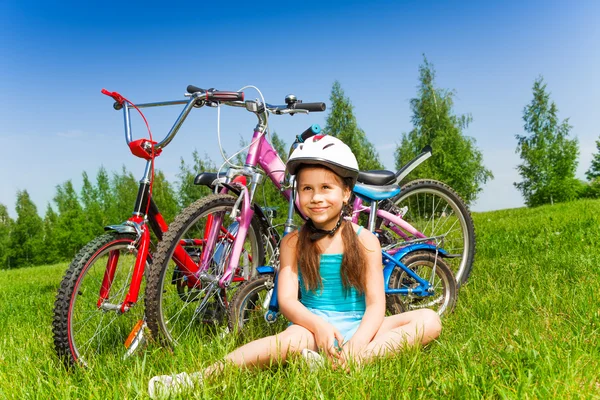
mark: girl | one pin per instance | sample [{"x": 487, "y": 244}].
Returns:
[{"x": 337, "y": 266}]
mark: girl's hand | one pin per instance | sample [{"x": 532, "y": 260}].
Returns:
[
  {"x": 341, "y": 361},
  {"x": 325, "y": 336},
  {"x": 350, "y": 351}
]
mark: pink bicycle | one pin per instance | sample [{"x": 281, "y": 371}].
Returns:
[{"x": 428, "y": 215}]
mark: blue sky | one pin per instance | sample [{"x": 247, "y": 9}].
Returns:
[{"x": 55, "y": 57}]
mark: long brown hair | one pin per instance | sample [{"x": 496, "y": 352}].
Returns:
[{"x": 354, "y": 263}]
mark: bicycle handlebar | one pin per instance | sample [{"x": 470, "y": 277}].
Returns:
[{"x": 199, "y": 99}]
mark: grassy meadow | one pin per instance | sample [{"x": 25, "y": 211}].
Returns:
[{"x": 527, "y": 325}]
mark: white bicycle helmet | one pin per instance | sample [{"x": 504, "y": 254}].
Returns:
[{"x": 326, "y": 151}]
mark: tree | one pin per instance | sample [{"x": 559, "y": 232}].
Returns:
[
  {"x": 106, "y": 198},
  {"x": 52, "y": 253},
  {"x": 90, "y": 199},
  {"x": 164, "y": 196},
  {"x": 456, "y": 160},
  {"x": 6, "y": 224},
  {"x": 124, "y": 187},
  {"x": 549, "y": 156},
  {"x": 342, "y": 124},
  {"x": 594, "y": 172},
  {"x": 280, "y": 147},
  {"x": 187, "y": 192},
  {"x": 70, "y": 234},
  {"x": 26, "y": 236}
]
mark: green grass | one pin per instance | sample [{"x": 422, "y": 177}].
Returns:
[{"x": 525, "y": 326}]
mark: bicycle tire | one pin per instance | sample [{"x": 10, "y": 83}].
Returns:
[
  {"x": 172, "y": 318},
  {"x": 422, "y": 262},
  {"x": 417, "y": 203},
  {"x": 82, "y": 331},
  {"x": 248, "y": 308}
]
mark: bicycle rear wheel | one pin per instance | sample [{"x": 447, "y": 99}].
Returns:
[
  {"x": 176, "y": 309},
  {"x": 83, "y": 329},
  {"x": 432, "y": 268},
  {"x": 436, "y": 210}
]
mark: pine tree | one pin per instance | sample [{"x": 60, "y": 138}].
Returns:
[
  {"x": 549, "y": 156},
  {"x": 342, "y": 124},
  {"x": 26, "y": 237},
  {"x": 6, "y": 225},
  {"x": 456, "y": 160}
]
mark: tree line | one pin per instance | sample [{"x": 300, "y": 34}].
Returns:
[{"x": 548, "y": 171}]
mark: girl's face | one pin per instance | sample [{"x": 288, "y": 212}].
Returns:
[{"x": 321, "y": 194}]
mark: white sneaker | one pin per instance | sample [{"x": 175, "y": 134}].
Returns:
[
  {"x": 163, "y": 386},
  {"x": 313, "y": 359}
]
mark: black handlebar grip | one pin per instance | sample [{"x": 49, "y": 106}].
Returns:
[
  {"x": 117, "y": 106},
  {"x": 313, "y": 107},
  {"x": 194, "y": 89}
]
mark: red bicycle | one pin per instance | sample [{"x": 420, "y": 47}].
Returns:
[{"x": 96, "y": 311}]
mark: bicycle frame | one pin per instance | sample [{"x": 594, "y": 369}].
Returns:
[{"x": 139, "y": 222}]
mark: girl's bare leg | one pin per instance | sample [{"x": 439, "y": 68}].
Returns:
[
  {"x": 402, "y": 330},
  {"x": 258, "y": 353},
  {"x": 262, "y": 352}
]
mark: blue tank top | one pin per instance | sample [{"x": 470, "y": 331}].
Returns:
[{"x": 332, "y": 296}]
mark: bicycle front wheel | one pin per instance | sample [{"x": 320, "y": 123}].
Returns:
[
  {"x": 84, "y": 329},
  {"x": 437, "y": 211},
  {"x": 176, "y": 308},
  {"x": 248, "y": 309}
]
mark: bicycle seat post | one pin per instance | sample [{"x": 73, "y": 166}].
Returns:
[{"x": 373, "y": 215}]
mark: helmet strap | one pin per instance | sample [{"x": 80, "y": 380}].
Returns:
[{"x": 317, "y": 233}]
